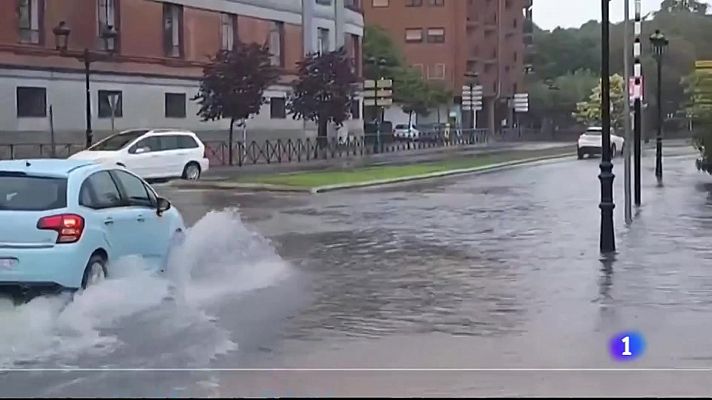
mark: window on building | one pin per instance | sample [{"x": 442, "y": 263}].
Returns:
[
  {"x": 107, "y": 19},
  {"x": 105, "y": 104},
  {"x": 175, "y": 105},
  {"x": 276, "y": 43},
  {"x": 278, "y": 108},
  {"x": 436, "y": 71},
  {"x": 31, "y": 102},
  {"x": 436, "y": 3},
  {"x": 173, "y": 29},
  {"x": 228, "y": 31},
  {"x": 30, "y": 23},
  {"x": 356, "y": 54},
  {"x": 380, "y": 3},
  {"x": 413, "y": 3},
  {"x": 414, "y": 35},
  {"x": 323, "y": 40},
  {"x": 436, "y": 35},
  {"x": 355, "y": 109}
]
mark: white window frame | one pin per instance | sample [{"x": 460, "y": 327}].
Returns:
[
  {"x": 227, "y": 31},
  {"x": 414, "y": 38},
  {"x": 30, "y": 30}
]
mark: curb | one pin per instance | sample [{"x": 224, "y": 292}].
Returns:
[
  {"x": 330, "y": 188},
  {"x": 474, "y": 170}
]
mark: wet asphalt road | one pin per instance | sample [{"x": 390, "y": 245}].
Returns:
[{"x": 499, "y": 270}]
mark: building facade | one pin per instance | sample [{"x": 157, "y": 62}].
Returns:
[
  {"x": 151, "y": 61},
  {"x": 445, "y": 39}
]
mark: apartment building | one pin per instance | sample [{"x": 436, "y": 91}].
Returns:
[
  {"x": 445, "y": 39},
  {"x": 149, "y": 56}
]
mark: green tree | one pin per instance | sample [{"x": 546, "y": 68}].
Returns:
[
  {"x": 409, "y": 89},
  {"x": 554, "y": 100},
  {"x": 589, "y": 111},
  {"x": 684, "y": 5},
  {"x": 698, "y": 88}
]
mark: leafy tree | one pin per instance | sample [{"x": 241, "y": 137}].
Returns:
[
  {"x": 554, "y": 101},
  {"x": 589, "y": 112},
  {"x": 233, "y": 84},
  {"x": 409, "y": 89},
  {"x": 684, "y": 5},
  {"x": 698, "y": 88},
  {"x": 323, "y": 90}
]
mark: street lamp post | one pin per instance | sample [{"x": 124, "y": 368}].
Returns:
[
  {"x": 607, "y": 238},
  {"x": 108, "y": 34},
  {"x": 659, "y": 44}
]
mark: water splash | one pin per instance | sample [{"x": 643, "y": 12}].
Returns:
[{"x": 219, "y": 259}]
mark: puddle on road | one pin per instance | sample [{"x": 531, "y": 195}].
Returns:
[{"x": 220, "y": 258}]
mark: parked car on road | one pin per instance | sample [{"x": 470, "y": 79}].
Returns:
[
  {"x": 152, "y": 153},
  {"x": 591, "y": 143},
  {"x": 64, "y": 221},
  {"x": 406, "y": 132}
]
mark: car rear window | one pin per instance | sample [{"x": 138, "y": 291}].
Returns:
[
  {"x": 21, "y": 192},
  {"x": 187, "y": 142},
  {"x": 401, "y": 126},
  {"x": 118, "y": 141}
]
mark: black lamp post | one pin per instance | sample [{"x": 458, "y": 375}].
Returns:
[
  {"x": 607, "y": 239},
  {"x": 659, "y": 44},
  {"x": 109, "y": 35}
]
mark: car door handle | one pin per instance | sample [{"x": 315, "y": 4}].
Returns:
[
  {"x": 108, "y": 221},
  {"x": 140, "y": 218}
]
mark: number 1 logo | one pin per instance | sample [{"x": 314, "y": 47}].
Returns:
[{"x": 626, "y": 346}]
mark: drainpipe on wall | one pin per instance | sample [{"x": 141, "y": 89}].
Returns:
[{"x": 339, "y": 22}]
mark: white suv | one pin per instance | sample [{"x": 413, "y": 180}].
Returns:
[{"x": 152, "y": 153}]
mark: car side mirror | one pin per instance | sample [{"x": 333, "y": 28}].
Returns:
[{"x": 162, "y": 205}]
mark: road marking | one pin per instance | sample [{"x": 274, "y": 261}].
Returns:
[{"x": 356, "y": 370}]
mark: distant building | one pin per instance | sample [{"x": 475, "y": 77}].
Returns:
[
  {"x": 154, "y": 62},
  {"x": 444, "y": 39}
]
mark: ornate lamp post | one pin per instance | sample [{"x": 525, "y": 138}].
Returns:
[
  {"x": 61, "y": 35},
  {"x": 607, "y": 239},
  {"x": 659, "y": 43}
]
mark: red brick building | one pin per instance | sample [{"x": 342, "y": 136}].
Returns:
[
  {"x": 155, "y": 60},
  {"x": 445, "y": 39}
]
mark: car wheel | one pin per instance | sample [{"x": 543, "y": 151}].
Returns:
[
  {"x": 95, "y": 271},
  {"x": 613, "y": 151},
  {"x": 191, "y": 171}
]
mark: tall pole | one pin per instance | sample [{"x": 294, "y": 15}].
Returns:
[
  {"x": 87, "y": 72},
  {"x": 659, "y": 138},
  {"x": 627, "y": 121},
  {"x": 638, "y": 92},
  {"x": 607, "y": 239}
]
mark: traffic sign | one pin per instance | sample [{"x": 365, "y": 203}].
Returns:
[
  {"x": 472, "y": 97},
  {"x": 635, "y": 91},
  {"x": 521, "y": 102},
  {"x": 378, "y": 92}
]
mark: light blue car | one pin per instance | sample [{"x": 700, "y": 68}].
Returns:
[{"x": 63, "y": 221}]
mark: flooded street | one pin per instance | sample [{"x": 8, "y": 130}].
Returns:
[{"x": 499, "y": 270}]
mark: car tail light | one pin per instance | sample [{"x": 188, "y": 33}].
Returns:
[{"x": 69, "y": 226}]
